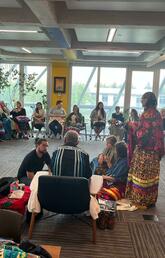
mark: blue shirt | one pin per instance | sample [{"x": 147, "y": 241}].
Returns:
[{"x": 119, "y": 170}]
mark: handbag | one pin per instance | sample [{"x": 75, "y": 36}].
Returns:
[
  {"x": 29, "y": 247},
  {"x": 106, "y": 219},
  {"x": 5, "y": 185}
]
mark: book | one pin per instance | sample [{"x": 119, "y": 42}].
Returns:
[{"x": 107, "y": 205}]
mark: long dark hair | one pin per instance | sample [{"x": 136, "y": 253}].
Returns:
[
  {"x": 36, "y": 109},
  {"x": 77, "y": 108},
  {"x": 102, "y": 109},
  {"x": 121, "y": 150},
  {"x": 151, "y": 99},
  {"x": 136, "y": 117}
]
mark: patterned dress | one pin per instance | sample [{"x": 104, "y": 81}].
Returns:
[
  {"x": 132, "y": 139},
  {"x": 143, "y": 177}
]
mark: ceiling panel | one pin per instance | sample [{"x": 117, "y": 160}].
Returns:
[
  {"x": 111, "y": 53},
  {"x": 46, "y": 51},
  {"x": 23, "y": 36},
  {"x": 110, "y": 5},
  {"x": 9, "y": 3},
  {"x": 92, "y": 34},
  {"x": 133, "y": 35}
]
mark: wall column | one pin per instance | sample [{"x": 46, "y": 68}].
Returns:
[
  {"x": 156, "y": 78},
  {"x": 128, "y": 83},
  {"x": 98, "y": 85}
]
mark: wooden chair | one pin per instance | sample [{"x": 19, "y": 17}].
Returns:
[{"x": 64, "y": 195}]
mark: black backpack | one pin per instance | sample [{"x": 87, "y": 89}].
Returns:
[
  {"x": 29, "y": 247},
  {"x": 5, "y": 185}
]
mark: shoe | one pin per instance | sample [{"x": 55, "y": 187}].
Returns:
[{"x": 58, "y": 136}]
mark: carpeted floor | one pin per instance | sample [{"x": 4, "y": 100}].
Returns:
[{"x": 132, "y": 237}]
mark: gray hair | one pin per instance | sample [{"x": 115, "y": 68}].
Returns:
[{"x": 71, "y": 137}]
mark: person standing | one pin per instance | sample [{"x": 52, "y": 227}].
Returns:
[{"x": 143, "y": 177}]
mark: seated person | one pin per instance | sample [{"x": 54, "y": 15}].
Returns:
[
  {"x": 2, "y": 131},
  {"x": 162, "y": 112},
  {"x": 99, "y": 164},
  {"x": 74, "y": 120},
  {"x": 98, "y": 119},
  {"x": 69, "y": 160},
  {"x": 57, "y": 116},
  {"x": 38, "y": 117},
  {"x": 116, "y": 178},
  {"x": 34, "y": 161},
  {"x": 5, "y": 121},
  {"x": 116, "y": 124},
  {"x": 21, "y": 121}
]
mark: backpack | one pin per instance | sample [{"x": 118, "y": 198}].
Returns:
[
  {"x": 106, "y": 220},
  {"x": 5, "y": 185},
  {"x": 29, "y": 247}
]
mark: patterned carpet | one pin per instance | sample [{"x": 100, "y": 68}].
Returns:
[
  {"x": 127, "y": 240},
  {"x": 132, "y": 237}
]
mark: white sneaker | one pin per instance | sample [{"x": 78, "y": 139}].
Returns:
[{"x": 58, "y": 136}]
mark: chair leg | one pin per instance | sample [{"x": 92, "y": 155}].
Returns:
[
  {"x": 94, "y": 231},
  {"x": 31, "y": 225}
]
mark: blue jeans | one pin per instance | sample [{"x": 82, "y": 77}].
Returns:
[
  {"x": 55, "y": 127},
  {"x": 7, "y": 126}
]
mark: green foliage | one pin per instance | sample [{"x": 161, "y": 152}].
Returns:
[
  {"x": 4, "y": 79},
  {"x": 87, "y": 98},
  {"x": 25, "y": 83}
]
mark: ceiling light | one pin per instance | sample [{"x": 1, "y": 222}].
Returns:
[
  {"x": 111, "y": 34},
  {"x": 26, "y": 50},
  {"x": 114, "y": 51},
  {"x": 21, "y": 31}
]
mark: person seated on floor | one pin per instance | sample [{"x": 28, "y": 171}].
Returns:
[
  {"x": 57, "y": 116},
  {"x": 5, "y": 121},
  {"x": 38, "y": 117},
  {"x": 115, "y": 181},
  {"x": 99, "y": 164},
  {"x": 34, "y": 161},
  {"x": 74, "y": 121},
  {"x": 69, "y": 159},
  {"x": 21, "y": 120}
]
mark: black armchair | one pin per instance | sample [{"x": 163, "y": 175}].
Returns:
[
  {"x": 65, "y": 195},
  {"x": 11, "y": 225}
]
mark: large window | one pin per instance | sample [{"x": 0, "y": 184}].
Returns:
[
  {"x": 161, "y": 98},
  {"x": 84, "y": 87},
  {"x": 10, "y": 94},
  {"x": 25, "y": 83},
  {"x": 40, "y": 85},
  {"x": 112, "y": 88},
  {"x": 142, "y": 82}
]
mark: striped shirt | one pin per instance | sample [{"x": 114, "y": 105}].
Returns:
[{"x": 71, "y": 161}]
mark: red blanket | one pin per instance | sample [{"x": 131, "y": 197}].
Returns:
[{"x": 16, "y": 204}]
